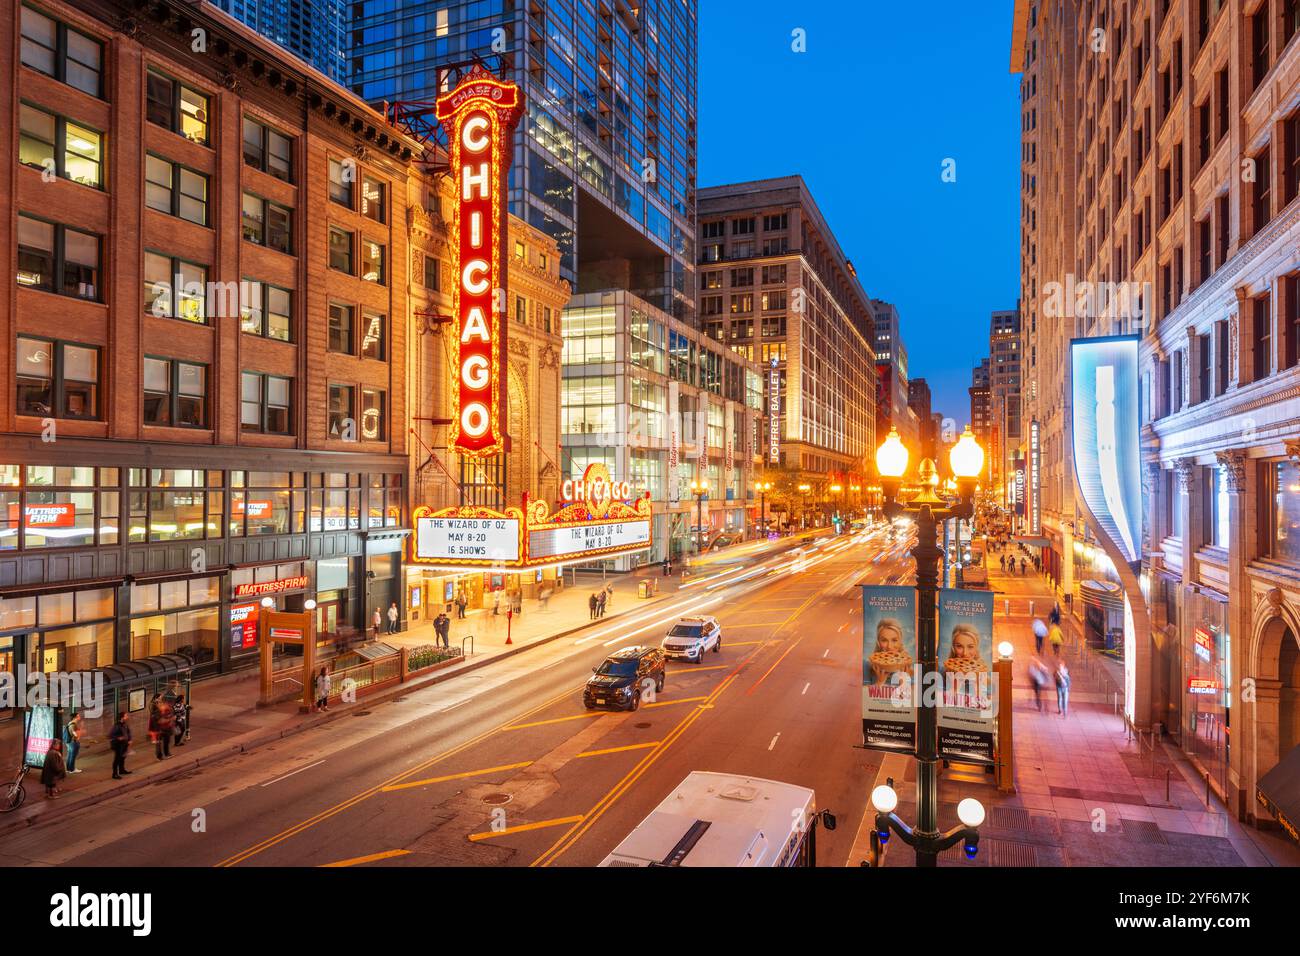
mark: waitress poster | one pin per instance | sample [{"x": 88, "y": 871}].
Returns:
[
  {"x": 968, "y": 716},
  {"x": 888, "y": 657}
]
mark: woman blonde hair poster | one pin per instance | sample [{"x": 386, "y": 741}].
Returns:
[{"x": 888, "y": 659}]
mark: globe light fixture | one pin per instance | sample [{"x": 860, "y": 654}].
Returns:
[
  {"x": 268, "y": 601},
  {"x": 966, "y": 457},
  {"x": 309, "y": 605},
  {"x": 891, "y": 457},
  {"x": 1006, "y": 649},
  {"x": 884, "y": 798},
  {"x": 970, "y": 812}
]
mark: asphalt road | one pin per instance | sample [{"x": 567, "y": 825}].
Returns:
[{"x": 505, "y": 766}]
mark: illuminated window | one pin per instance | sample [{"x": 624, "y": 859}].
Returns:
[
  {"x": 175, "y": 106},
  {"x": 66, "y": 148},
  {"x": 265, "y": 403},
  {"x": 57, "y": 379},
  {"x": 372, "y": 261},
  {"x": 372, "y": 414},
  {"x": 372, "y": 199},
  {"x": 340, "y": 250},
  {"x": 57, "y": 50},
  {"x": 59, "y": 259},
  {"x": 266, "y": 310},
  {"x": 267, "y": 223},
  {"x": 341, "y": 323},
  {"x": 342, "y": 413},
  {"x": 372, "y": 335},
  {"x": 174, "y": 288}
]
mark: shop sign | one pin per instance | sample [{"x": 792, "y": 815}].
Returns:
[
  {"x": 243, "y": 626},
  {"x": 774, "y": 413},
  {"x": 479, "y": 116},
  {"x": 271, "y": 587},
  {"x": 578, "y": 539},
  {"x": 1204, "y": 644},
  {"x": 1203, "y": 685},
  {"x": 291, "y": 635},
  {"x": 46, "y": 516},
  {"x": 462, "y": 535},
  {"x": 253, "y": 509},
  {"x": 595, "y": 487}
]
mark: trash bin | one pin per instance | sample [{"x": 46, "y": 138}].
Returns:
[{"x": 643, "y": 589}]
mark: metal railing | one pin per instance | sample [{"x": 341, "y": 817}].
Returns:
[{"x": 369, "y": 674}]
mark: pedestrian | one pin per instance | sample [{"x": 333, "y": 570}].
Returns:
[
  {"x": 54, "y": 769},
  {"x": 442, "y": 628},
  {"x": 182, "y": 729},
  {"x": 1003, "y": 560},
  {"x": 1040, "y": 632},
  {"x": 517, "y": 601},
  {"x": 1062, "y": 689},
  {"x": 1055, "y": 616},
  {"x": 600, "y": 603},
  {"x": 461, "y": 601},
  {"x": 496, "y": 603},
  {"x": 376, "y": 621},
  {"x": 162, "y": 721},
  {"x": 393, "y": 615},
  {"x": 1022, "y": 567},
  {"x": 72, "y": 734},
  {"x": 668, "y": 565},
  {"x": 119, "y": 739},
  {"x": 1056, "y": 638},
  {"x": 609, "y": 593},
  {"x": 324, "y": 686},
  {"x": 592, "y": 604},
  {"x": 1038, "y": 679},
  {"x": 544, "y": 597}
]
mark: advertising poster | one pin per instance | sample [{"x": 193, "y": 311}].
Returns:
[
  {"x": 968, "y": 717},
  {"x": 39, "y": 734},
  {"x": 888, "y": 656}
]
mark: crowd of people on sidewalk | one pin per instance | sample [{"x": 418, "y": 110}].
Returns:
[
  {"x": 600, "y": 601},
  {"x": 1040, "y": 673}
]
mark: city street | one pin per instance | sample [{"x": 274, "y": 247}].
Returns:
[{"x": 422, "y": 781}]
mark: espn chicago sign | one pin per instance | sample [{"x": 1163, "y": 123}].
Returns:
[{"x": 480, "y": 116}]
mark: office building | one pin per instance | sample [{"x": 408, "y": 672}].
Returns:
[
  {"x": 1004, "y": 401},
  {"x": 312, "y": 30}
]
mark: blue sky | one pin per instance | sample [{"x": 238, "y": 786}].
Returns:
[{"x": 884, "y": 93}]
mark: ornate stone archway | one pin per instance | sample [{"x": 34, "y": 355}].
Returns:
[{"x": 1275, "y": 669}]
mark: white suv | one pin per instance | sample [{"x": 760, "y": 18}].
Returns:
[{"x": 691, "y": 637}]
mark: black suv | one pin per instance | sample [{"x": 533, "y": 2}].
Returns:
[{"x": 619, "y": 681}]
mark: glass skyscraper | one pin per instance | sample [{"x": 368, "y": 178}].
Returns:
[
  {"x": 605, "y": 159},
  {"x": 312, "y": 30}
]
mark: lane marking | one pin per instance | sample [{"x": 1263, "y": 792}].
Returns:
[
  {"x": 667, "y": 703},
  {"x": 456, "y": 776},
  {"x": 825, "y": 652},
  {"x": 805, "y": 688},
  {"x": 291, "y": 773},
  {"x": 459, "y": 703},
  {"x": 696, "y": 670},
  {"x": 618, "y": 750},
  {"x": 356, "y": 860},
  {"x": 558, "y": 720},
  {"x": 772, "y": 668},
  {"x": 772, "y": 745},
  {"x": 489, "y": 834},
  {"x": 742, "y": 643}
]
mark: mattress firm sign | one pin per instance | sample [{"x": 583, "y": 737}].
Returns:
[
  {"x": 462, "y": 539},
  {"x": 561, "y": 542}
]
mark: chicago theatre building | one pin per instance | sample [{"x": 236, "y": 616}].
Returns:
[
  {"x": 1173, "y": 161},
  {"x": 209, "y": 346}
]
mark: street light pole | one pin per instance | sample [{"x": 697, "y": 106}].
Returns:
[
  {"x": 699, "y": 489},
  {"x": 927, "y": 508}
]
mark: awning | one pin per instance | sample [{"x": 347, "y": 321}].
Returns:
[
  {"x": 371, "y": 652},
  {"x": 146, "y": 669},
  {"x": 1279, "y": 792}
]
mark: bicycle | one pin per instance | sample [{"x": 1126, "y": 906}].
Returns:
[{"x": 13, "y": 795}]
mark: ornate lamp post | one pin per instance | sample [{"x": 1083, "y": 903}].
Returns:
[
  {"x": 803, "y": 506},
  {"x": 699, "y": 489},
  {"x": 967, "y": 458},
  {"x": 763, "y": 488}
]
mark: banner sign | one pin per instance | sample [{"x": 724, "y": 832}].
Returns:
[
  {"x": 968, "y": 716},
  {"x": 888, "y": 654},
  {"x": 1107, "y": 459},
  {"x": 674, "y": 443},
  {"x": 468, "y": 536},
  {"x": 38, "y": 733},
  {"x": 1035, "y": 481},
  {"x": 774, "y": 414},
  {"x": 243, "y": 626},
  {"x": 479, "y": 116},
  {"x": 582, "y": 538}
]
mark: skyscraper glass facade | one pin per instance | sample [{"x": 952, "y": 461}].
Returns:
[
  {"x": 312, "y": 30},
  {"x": 605, "y": 159}
]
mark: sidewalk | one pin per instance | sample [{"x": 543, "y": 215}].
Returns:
[
  {"x": 227, "y": 720},
  {"x": 1087, "y": 794}
]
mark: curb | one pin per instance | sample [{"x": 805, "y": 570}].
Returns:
[{"x": 257, "y": 739}]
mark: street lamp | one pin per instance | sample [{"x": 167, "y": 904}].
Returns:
[
  {"x": 966, "y": 459},
  {"x": 803, "y": 507},
  {"x": 699, "y": 489},
  {"x": 763, "y": 488}
]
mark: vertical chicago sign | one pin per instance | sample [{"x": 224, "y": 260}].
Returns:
[{"x": 479, "y": 115}]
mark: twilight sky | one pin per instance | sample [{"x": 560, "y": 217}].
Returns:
[{"x": 884, "y": 93}]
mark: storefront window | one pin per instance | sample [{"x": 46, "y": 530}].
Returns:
[
  {"x": 1207, "y": 682},
  {"x": 263, "y": 506},
  {"x": 175, "y": 504},
  {"x": 76, "y": 648},
  {"x": 16, "y": 613},
  {"x": 338, "y": 506},
  {"x": 191, "y": 632},
  {"x": 385, "y": 506}
]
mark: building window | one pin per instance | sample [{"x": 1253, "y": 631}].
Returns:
[
  {"x": 372, "y": 199},
  {"x": 340, "y": 250},
  {"x": 431, "y": 280},
  {"x": 57, "y": 379},
  {"x": 265, "y": 403},
  {"x": 174, "y": 106},
  {"x": 773, "y": 275},
  {"x": 1263, "y": 350},
  {"x": 341, "y": 337},
  {"x": 1281, "y": 511},
  {"x": 267, "y": 223},
  {"x": 742, "y": 227},
  {"x": 1291, "y": 168},
  {"x": 60, "y": 145},
  {"x": 521, "y": 310},
  {"x": 546, "y": 318},
  {"x": 59, "y": 259},
  {"x": 385, "y": 507},
  {"x": 742, "y": 304},
  {"x": 175, "y": 289},
  {"x": 268, "y": 150},
  {"x": 1217, "y": 503},
  {"x": 742, "y": 277},
  {"x": 266, "y": 310},
  {"x": 771, "y": 301},
  {"x": 1203, "y": 391},
  {"x": 372, "y": 261},
  {"x": 711, "y": 280},
  {"x": 372, "y": 414},
  {"x": 1291, "y": 322},
  {"x": 710, "y": 305},
  {"x": 57, "y": 50},
  {"x": 343, "y": 174},
  {"x": 713, "y": 230},
  {"x": 172, "y": 189},
  {"x": 372, "y": 335},
  {"x": 175, "y": 393},
  {"x": 521, "y": 252},
  {"x": 342, "y": 413},
  {"x": 776, "y": 223},
  {"x": 1261, "y": 205}
]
